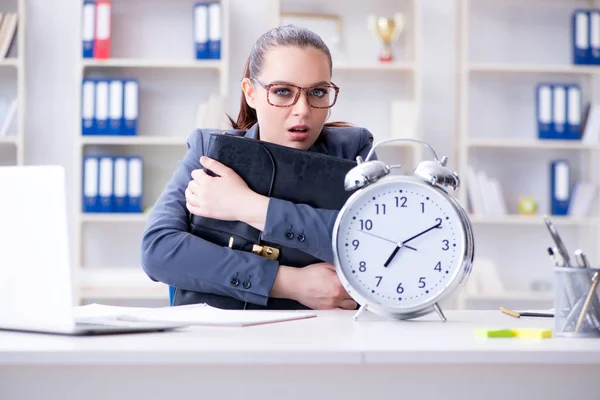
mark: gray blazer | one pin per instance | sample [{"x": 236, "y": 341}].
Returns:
[{"x": 232, "y": 278}]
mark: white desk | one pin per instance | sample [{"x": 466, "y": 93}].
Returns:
[{"x": 329, "y": 357}]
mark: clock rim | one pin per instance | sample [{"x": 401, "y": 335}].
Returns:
[{"x": 426, "y": 307}]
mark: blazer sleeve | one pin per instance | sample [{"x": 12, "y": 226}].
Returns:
[
  {"x": 172, "y": 255},
  {"x": 303, "y": 227}
]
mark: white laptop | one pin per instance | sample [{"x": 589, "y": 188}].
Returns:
[{"x": 36, "y": 285}]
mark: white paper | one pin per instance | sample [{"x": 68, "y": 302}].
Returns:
[{"x": 194, "y": 314}]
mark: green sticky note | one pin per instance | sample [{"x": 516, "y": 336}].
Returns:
[{"x": 495, "y": 333}]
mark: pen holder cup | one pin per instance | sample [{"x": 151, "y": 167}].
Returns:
[{"x": 576, "y": 302}]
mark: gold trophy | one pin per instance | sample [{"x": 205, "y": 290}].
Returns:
[{"x": 388, "y": 30}]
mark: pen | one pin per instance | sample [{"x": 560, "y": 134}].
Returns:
[
  {"x": 581, "y": 259},
  {"x": 560, "y": 246}
]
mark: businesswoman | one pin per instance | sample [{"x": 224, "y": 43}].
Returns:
[{"x": 286, "y": 98}]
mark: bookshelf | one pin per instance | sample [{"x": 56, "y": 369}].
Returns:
[
  {"x": 106, "y": 248},
  {"x": 152, "y": 41},
  {"x": 13, "y": 86},
  {"x": 506, "y": 47}
]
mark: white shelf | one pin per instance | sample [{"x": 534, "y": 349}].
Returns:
[
  {"x": 533, "y": 220},
  {"x": 398, "y": 66},
  {"x": 530, "y": 144},
  {"x": 119, "y": 283},
  {"x": 134, "y": 140},
  {"x": 152, "y": 63},
  {"x": 10, "y": 62},
  {"x": 9, "y": 139},
  {"x": 533, "y": 69},
  {"x": 114, "y": 217}
]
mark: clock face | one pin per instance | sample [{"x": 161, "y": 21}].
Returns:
[{"x": 400, "y": 244}]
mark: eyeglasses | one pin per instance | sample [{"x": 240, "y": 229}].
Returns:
[{"x": 286, "y": 95}]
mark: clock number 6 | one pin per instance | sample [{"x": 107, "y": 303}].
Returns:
[{"x": 400, "y": 289}]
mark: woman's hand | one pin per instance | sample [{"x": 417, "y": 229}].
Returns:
[
  {"x": 225, "y": 197},
  {"x": 316, "y": 286}
]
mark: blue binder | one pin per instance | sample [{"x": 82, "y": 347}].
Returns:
[
  {"x": 88, "y": 21},
  {"x": 88, "y": 107},
  {"x": 102, "y": 106},
  {"x": 106, "y": 184},
  {"x": 544, "y": 111},
  {"x": 115, "y": 114},
  {"x": 580, "y": 24},
  {"x": 574, "y": 113},
  {"x": 90, "y": 184},
  {"x": 560, "y": 187},
  {"x": 121, "y": 198},
  {"x": 130, "y": 107},
  {"x": 559, "y": 111},
  {"x": 594, "y": 27},
  {"x": 214, "y": 31},
  {"x": 201, "y": 31},
  {"x": 135, "y": 178}
]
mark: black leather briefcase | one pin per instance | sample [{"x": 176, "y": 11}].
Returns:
[{"x": 272, "y": 170}]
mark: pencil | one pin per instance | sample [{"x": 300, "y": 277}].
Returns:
[
  {"x": 509, "y": 312},
  {"x": 586, "y": 305}
]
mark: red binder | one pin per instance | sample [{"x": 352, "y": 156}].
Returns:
[{"x": 103, "y": 25}]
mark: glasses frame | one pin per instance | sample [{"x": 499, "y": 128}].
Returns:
[{"x": 267, "y": 87}]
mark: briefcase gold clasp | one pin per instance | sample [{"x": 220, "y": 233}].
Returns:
[{"x": 269, "y": 252}]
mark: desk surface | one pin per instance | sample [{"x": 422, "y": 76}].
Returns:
[{"x": 333, "y": 337}]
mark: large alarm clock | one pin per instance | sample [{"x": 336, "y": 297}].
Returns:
[{"x": 402, "y": 243}]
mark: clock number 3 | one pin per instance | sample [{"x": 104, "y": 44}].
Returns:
[{"x": 446, "y": 245}]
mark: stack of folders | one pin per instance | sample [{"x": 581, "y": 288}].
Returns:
[
  {"x": 485, "y": 194},
  {"x": 8, "y": 31},
  {"x": 585, "y": 26},
  {"x": 109, "y": 107},
  {"x": 558, "y": 108},
  {"x": 207, "y": 30},
  {"x": 112, "y": 184},
  {"x": 96, "y": 29}
]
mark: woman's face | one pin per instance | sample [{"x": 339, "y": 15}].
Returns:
[{"x": 297, "y": 126}]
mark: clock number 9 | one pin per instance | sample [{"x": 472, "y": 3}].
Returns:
[
  {"x": 363, "y": 266},
  {"x": 368, "y": 224},
  {"x": 355, "y": 243},
  {"x": 446, "y": 245}
]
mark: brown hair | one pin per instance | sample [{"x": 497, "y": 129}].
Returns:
[{"x": 288, "y": 35}]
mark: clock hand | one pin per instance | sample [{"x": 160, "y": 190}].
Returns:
[
  {"x": 403, "y": 244},
  {"x": 391, "y": 257},
  {"x": 422, "y": 233},
  {"x": 386, "y": 239}
]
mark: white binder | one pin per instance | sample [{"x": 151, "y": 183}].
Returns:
[
  {"x": 106, "y": 184},
  {"x": 116, "y": 107}
]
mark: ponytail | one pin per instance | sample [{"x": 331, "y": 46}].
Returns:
[{"x": 247, "y": 115}]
